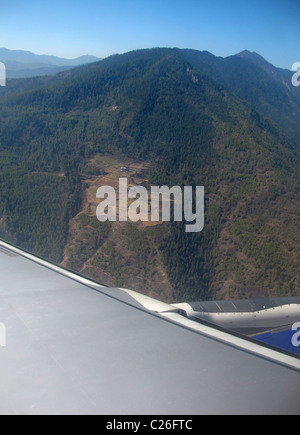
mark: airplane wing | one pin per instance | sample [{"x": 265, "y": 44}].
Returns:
[{"x": 72, "y": 346}]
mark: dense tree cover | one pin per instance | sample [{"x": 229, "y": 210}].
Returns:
[
  {"x": 158, "y": 106},
  {"x": 36, "y": 209},
  {"x": 267, "y": 88}
]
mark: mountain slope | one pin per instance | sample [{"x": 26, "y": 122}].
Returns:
[
  {"x": 155, "y": 106},
  {"x": 22, "y": 64},
  {"x": 267, "y": 88}
]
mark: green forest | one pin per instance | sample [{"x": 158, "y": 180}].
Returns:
[{"x": 164, "y": 106}]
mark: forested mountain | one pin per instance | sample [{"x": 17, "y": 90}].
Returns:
[
  {"x": 183, "y": 116},
  {"x": 267, "y": 88}
]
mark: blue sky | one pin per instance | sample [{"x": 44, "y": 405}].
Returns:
[{"x": 71, "y": 28}]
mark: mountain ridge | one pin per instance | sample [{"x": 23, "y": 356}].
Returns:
[
  {"x": 22, "y": 64},
  {"x": 162, "y": 106},
  {"x": 30, "y": 57},
  {"x": 267, "y": 88}
]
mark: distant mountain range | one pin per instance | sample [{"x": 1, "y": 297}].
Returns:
[
  {"x": 171, "y": 117},
  {"x": 21, "y": 64}
]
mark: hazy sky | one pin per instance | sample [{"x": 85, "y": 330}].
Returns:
[{"x": 71, "y": 28}]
